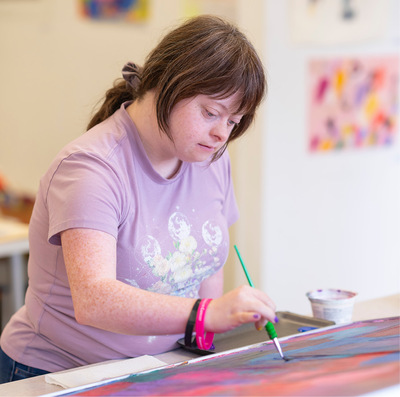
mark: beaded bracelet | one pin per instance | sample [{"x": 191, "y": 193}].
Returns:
[
  {"x": 204, "y": 342},
  {"x": 190, "y": 324}
]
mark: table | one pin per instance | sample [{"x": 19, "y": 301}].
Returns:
[
  {"x": 388, "y": 305},
  {"x": 14, "y": 246}
]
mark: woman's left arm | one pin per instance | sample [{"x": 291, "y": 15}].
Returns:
[{"x": 213, "y": 286}]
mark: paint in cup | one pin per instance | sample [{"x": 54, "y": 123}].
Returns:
[{"x": 332, "y": 304}]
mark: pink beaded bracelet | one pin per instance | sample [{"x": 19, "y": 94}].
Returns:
[{"x": 204, "y": 342}]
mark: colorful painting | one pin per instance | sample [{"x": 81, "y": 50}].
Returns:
[
  {"x": 353, "y": 103},
  {"x": 352, "y": 359},
  {"x": 115, "y": 10}
]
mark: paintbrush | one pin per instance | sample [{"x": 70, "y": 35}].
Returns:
[{"x": 269, "y": 327}]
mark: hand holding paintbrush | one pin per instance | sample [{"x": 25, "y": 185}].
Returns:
[
  {"x": 269, "y": 327},
  {"x": 242, "y": 305}
]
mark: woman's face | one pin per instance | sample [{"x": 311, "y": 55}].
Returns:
[{"x": 201, "y": 125}]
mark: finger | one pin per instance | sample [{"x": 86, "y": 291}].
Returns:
[
  {"x": 263, "y": 322},
  {"x": 266, "y": 313},
  {"x": 248, "y": 317},
  {"x": 259, "y": 322},
  {"x": 247, "y": 292},
  {"x": 263, "y": 297}
]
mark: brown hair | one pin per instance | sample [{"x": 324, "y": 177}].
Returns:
[{"x": 205, "y": 55}]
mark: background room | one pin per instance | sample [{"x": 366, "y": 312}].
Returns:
[{"x": 319, "y": 201}]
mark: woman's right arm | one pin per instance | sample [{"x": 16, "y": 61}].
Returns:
[{"x": 101, "y": 301}]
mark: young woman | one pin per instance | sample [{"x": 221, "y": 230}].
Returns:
[{"x": 129, "y": 233}]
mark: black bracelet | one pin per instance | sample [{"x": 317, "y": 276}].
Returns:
[{"x": 190, "y": 324}]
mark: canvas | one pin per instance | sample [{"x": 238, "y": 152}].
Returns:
[{"x": 352, "y": 359}]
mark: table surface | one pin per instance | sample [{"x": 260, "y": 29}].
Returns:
[
  {"x": 13, "y": 237},
  {"x": 14, "y": 247},
  {"x": 11, "y": 230},
  {"x": 388, "y": 306}
]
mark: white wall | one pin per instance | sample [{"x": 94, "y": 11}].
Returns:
[
  {"x": 246, "y": 155},
  {"x": 330, "y": 220},
  {"x": 54, "y": 68}
]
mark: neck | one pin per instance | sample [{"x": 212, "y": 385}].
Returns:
[{"x": 159, "y": 148}]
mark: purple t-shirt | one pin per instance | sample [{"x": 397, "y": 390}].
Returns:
[{"x": 171, "y": 234}]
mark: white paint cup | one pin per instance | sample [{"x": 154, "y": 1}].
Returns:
[{"x": 332, "y": 304}]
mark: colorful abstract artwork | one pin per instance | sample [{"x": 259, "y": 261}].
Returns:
[
  {"x": 352, "y": 359},
  {"x": 115, "y": 10},
  {"x": 353, "y": 103}
]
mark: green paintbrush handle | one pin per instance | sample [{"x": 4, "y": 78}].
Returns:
[{"x": 271, "y": 330}]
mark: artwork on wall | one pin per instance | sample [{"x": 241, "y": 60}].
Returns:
[
  {"x": 352, "y": 359},
  {"x": 352, "y": 102},
  {"x": 325, "y": 22},
  {"x": 115, "y": 10}
]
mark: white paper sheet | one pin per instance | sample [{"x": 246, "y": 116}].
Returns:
[{"x": 97, "y": 372}]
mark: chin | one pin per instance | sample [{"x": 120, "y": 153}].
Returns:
[
  {"x": 202, "y": 159},
  {"x": 197, "y": 158}
]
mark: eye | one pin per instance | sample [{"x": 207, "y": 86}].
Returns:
[
  {"x": 209, "y": 114},
  {"x": 232, "y": 123}
]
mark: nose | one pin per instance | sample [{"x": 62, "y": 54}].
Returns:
[{"x": 221, "y": 132}]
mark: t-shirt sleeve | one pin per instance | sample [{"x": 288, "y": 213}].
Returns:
[{"x": 84, "y": 192}]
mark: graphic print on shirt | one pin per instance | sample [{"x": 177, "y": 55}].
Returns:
[{"x": 180, "y": 270}]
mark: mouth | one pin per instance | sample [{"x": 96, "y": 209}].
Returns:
[{"x": 208, "y": 148}]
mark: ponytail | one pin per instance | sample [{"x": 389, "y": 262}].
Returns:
[{"x": 123, "y": 90}]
